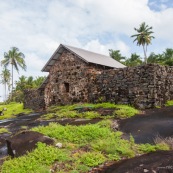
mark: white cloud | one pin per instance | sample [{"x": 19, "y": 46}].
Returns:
[{"x": 37, "y": 27}]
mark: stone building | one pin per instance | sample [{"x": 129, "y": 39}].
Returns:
[
  {"x": 77, "y": 75},
  {"x": 68, "y": 78}
]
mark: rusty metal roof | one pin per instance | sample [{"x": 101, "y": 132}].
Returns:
[{"x": 87, "y": 56}]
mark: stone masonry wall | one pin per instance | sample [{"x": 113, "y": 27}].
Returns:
[
  {"x": 71, "y": 80},
  {"x": 34, "y": 99},
  {"x": 67, "y": 80},
  {"x": 144, "y": 86}
]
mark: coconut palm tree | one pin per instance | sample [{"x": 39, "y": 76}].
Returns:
[
  {"x": 143, "y": 37},
  {"x": 14, "y": 58},
  {"x": 115, "y": 54},
  {"x": 5, "y": 80}
]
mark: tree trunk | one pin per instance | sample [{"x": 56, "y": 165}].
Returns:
[
  {"x": 5, "y": 92},
  {"x": 145, "y": 54},
  {"x": 12, "y": 81}
]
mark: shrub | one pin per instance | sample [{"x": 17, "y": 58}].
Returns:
[{"x": 92, "y": 158}]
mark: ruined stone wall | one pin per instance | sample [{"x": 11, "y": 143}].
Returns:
[
  {"x": 163, "y": 83},
  {"x": 34, "y": 99},
  {"x": 144, "y": 86},
  {"x": 71, "y": 80},
  {"x": 67, "y": 80}
]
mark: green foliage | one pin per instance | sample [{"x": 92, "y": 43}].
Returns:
[
  {"x": 90, "y": 114},
  {"x": 15, "y": 59},
  {"x": 114, "y": 146},
  {"x": 84, "y": 147},
  {"x": 92, "y": 158},
  {"x": 143, "y": 37},
  {"x": 115, "y": 54},
  {"x": 134, "y": 60},
  {"x": 125, "y": 111},
  {"x": 76, "y": 134},
  {"x": 3, "y": 130},
  {"x": 169, "y": 103},
  {"x": 36, "y": 161},
  {"x": 147, "y": 148},
  {"x": 73, "y": 111},
  {"x": 13, "y": 109}
]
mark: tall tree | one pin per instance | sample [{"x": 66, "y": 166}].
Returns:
[
  {"x": 115, "y": 54},
  {"x": 143, "y": 37},
  {"x": 5, "y": 80},
  {"x": 14, "y": 58}
]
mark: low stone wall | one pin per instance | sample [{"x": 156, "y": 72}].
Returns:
[
  {"x": 34, "y": 99},
  {"x": 144, "y": 86}
]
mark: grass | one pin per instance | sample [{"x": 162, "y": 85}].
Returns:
[
  {"x": 167, "y": 140},
  {"x": 74, "y": 111},
  {"x": 84, "y": 147},
  {"x": 169, "y": 103},
  {"x": 12, "y": 110}
]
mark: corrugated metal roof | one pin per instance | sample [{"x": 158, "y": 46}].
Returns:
[{"x": 87, "y": 56}]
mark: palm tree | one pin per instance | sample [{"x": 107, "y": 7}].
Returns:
[
  {"x": 21, "y": 83},
  {"x": 38, "y": 81},
  {"x": 143, "y": 37},
  {"x": 115, "y": 54},
  {"x": 14, "y": 58},
  {"x": 5, "y": 79},
  {"x": 134, "y": 60}
]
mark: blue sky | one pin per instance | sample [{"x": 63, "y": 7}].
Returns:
[{"x": 37, "y": 27}]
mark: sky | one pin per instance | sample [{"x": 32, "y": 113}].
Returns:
[{"x": 37, "y": 27}]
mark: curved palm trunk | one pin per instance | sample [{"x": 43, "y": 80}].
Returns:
[{"x": 145, "y": 54}]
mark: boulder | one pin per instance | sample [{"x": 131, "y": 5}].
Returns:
[{"x": 25, "y": 141}]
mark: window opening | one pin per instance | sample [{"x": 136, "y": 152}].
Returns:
[{"x": 67, "y": 87}]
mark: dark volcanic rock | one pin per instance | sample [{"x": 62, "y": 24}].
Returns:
[
  {"x": 157, "y": 162},
  {"x": 25, "y": 141}
]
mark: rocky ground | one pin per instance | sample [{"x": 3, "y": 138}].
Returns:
[{"x": 144, "y": 128}]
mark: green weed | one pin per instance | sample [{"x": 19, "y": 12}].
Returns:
[
  {"x": 169, "y": 103},
  {"x": 3, "y": 130}
]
